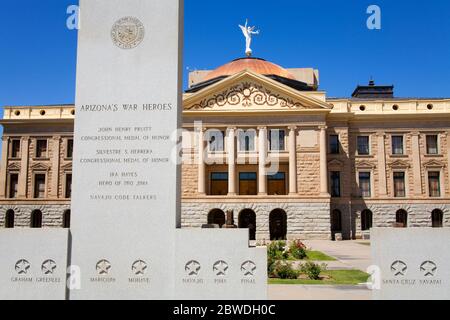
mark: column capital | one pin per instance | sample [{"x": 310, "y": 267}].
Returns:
[
  {"x": 56, "y": 138},
  {"x": 292, "y": 128},
  {"x": 323, "y": 127},
  {"x": 5, "y": 138},
  {"x": 260, "y": 128},
  {"x": 25, "y": 138},
  {"x": 232, "y": 128},
  {"x": 381, "y": 134},
  {"x": 201, "y": 129},
  {"x": 415, "y": 134}
]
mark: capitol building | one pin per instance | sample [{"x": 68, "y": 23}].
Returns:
[{"x": 267, "y": 144}]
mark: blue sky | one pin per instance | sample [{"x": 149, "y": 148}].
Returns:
[{"x": 412, "y": 51}]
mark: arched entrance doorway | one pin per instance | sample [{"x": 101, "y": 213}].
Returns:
[
  {"x": 437, "y": 217},
  {"x": 401, "y": 219},
  {"x": 278, "y": 225},
  {"x": 216, "y": 216},
  {"x": 247, "y": 220},
  {"x": 366, "y": 220}
]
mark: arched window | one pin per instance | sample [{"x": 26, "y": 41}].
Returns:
[
  {"x": 66, "y": 219},
  {"x": 9, "y": 219},
  {"x": 336, "y": 221},
  {"x": 216, "y": 216},
  {"x": 247, "y": 220},
  {"x": 401, "y": 219},
  {"x": 366, "y": 220},
  {"x": 278, "y": 225},
  {"x": 36, "y": 219},
  {"x": 437, "y": 217}
]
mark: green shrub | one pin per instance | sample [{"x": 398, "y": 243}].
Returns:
[
  {"x": 277, "y": 250},
  {"x": 298, "y": 250},
  {"x": 285, "y": 271},
  {"x": 271, "y": 267},
  {"x": 313, "y": 270}
]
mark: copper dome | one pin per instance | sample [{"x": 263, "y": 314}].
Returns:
[{"x": 256, "y": 65}]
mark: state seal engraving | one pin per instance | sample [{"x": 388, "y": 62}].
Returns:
[{"x": 127, "y": 32}]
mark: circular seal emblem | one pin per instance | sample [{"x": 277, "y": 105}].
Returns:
[{"x": 128, "y": 32}]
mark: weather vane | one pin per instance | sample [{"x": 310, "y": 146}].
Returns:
[{"x": 248, "y": 32}]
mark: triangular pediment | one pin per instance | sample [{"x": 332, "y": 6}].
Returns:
[
  {"x": 248, "y": 91},
  {"x": 14, "y": 166},
  {"x": 335, "y": 164},
  {"x": 434, "y": 164},
  {"x": 399, "y": 164},
  {"x": 365, "y": 165},
  {"x": 40, "y": 167},
  {"x": 67, "y": 167}
]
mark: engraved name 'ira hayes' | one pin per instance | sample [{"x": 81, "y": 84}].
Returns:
[{"x": 128, "y": 32}]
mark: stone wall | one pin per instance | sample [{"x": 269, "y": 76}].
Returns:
[
  {"x": 52, "y": 214},
  {"x": 304, "y": 220}
]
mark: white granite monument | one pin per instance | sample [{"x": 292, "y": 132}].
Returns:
[
  {"x": 414, "y": 263},
  {"x": 126, "y": 188}
]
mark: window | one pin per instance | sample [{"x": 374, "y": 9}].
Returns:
[
  {"x": 366, "y": 220},
  {"x": 437, "y": 217},
  {"x": 397, "y": 145},
  {"x": 9, "y": 219},
  {"x": 247, "y": 140},
  {"x": 364, "y": 184},
  {"x": 39, "y": 186},
  {"x": 41, "y": 148},
  {"x": 216, "y": 141},
  {"x": 432, "y": 144},
  {"x": 69, "y": 153},
  {"x": 335, "y": 184},
  {"x": 15, "y": 148},
  {"x": 277, "y": 140},
  {"x": 401, "y": 219},
  {"x": 219, "y": 184},
  {"x": 399, "y": 185},
  {"x": 13, "y": 185},
  {"x": 363, "y": 146},
  {"x": 434, "y": 182},
  {"x": 276, "y": 184},
  {"x": 247, "y": 184},
  {"x": 68, "y": 190},
  {"x": 36, "y": 219},
  {"x": 334, "y": 144},
  {"x": 66, "y": 219}
]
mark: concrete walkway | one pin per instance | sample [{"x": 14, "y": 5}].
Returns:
[
  {"x": 350, "y": 253},
  {"x": 312, "y": 292}
]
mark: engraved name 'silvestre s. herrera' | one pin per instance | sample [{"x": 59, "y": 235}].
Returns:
[{"x": 128, "y": 32}]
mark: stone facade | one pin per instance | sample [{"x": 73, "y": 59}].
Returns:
[{"x": 251, "y": 101}]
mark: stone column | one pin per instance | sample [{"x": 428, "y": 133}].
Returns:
[
  {"x": 4, "y": 166},
  {"x": 323, "y": 162},
  {"x": 417, "y": 167},
  {"x": 382, "y": 164},
  {"x": 55, "y": 167},
  {"x": 262, "y": 148},
  {"x": 293, "y": 160},
  {"x": 201, "y": 161},
  {"x": 231, "y": 141},
  {"x": 23, "y": 175}
]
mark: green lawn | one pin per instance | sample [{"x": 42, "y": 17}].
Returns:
[
  {"x": 314, "y": 256},
  {"x": 338, "y": 277},
  {"x": 318, "y": 256}
]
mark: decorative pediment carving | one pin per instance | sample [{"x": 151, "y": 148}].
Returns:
[
  {"x": 434, "y": 164},
  {"x": 247, "y": 95},
  {"x": 250, "y": 91},
  {"x": 40, "y": 167},
  {"x": 335, "y": 164},
  {"x": 400, "y": 164},
  {"x": 67, "y": 167},
  {"x": 14, "y": 166},
  {"x": 365, "y": 165}
]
